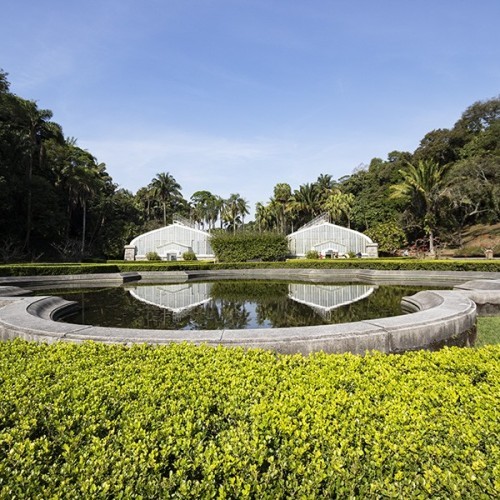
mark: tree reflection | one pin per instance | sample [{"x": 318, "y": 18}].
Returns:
[{"x": 232, "y": 305}]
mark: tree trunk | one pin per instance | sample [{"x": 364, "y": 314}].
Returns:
[
  {"x": 431, "y": 242},
  {"x": 84, "y": 226}
]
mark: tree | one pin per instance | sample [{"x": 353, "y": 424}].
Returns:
[
  {"x": 282, "y": 195},
  {"x": 265, "y": 217},
  {"x": 305, "y": 202},
  {"x": 424, "y": 182},
  {"x": 35, "y": 128},
  {"x": 325, "y": 186},
  {"x": 479, "y": 116},
  {"x": 82, "y": 178},
  {"x": 234, "y": 211},
  {"x": 339, "y": 204},
  {"x": 204, "y": 208},
  {"x": 389, "y": 236},
  {"x": 166, "y": 190}
]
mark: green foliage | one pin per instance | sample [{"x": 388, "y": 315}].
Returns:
[
  {"x": 189, "y": 256},
  {"x": 312, "y": 255},
  {"x": 389, "y": 236},
  {"x": 377, "y": 264},
  {"x": 96, "y": 421},
  {"x": 471, "y": 251},
  {"x": 56, "y": 269},
  {"x": 152, "y": 256},
  {"x": 58, "y": 202},
  {"x": 246, "y": 246},
  {"x": 488, "y": 330}
]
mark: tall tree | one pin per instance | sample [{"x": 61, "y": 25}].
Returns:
[
  {"x": 339, "y": 205},
  {"x": 282, "y": 197},
  {"x": 305, "y": 202},
  {"x": 35, "y": 129},
  {"x": 235, "y": 209},
  {"x": 204, "y": 208},
  {"x": 424, "y": 181},
  {"x": 166, "y": 190}
]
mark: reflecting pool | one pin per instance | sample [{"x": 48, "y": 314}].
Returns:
[{"x": 233, "y": 304}]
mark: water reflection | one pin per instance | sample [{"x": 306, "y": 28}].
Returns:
[
  {"x": 239, "y": 305},
  {"x": 234, "y": 304}
]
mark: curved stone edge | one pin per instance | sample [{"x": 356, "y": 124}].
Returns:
[
  {"x": 435, "y": 278},
  {"x": 485, "y": 293},
  {"x": 443, "y": 315},
  {"x": 436, "y": 315}
]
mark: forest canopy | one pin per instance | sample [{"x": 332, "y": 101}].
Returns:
[{"x": 59, "y": 202}]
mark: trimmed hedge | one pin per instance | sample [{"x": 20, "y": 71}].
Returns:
[
  {"x": 246, "y": 246},
  {"x": 376, "y": 264},
  {"x": 96, "y": 421},
  {"x": 56, "y": 269}
]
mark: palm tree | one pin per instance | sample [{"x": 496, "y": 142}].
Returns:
[
  {"x": 166, "y": 190},
  {"x": 339, "y": 204},
  {"x": 325, "y": 186},
  {"x": 264, "y": 217},
  {"x": 204, "y": 207},
  {"x": 305, "y": 202},
  {"x": 234, "y": 207},
  {"x": 82, "y": 178},
  {"x": 282, "y": 195},
  {"x": 426, "y": 182},
  {"x": 36, "y": 126}
]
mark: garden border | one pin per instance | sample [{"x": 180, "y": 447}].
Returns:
[{"x": 438, "y": 316}]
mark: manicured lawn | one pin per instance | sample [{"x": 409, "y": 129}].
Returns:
[{"x": 488, "y": 330}]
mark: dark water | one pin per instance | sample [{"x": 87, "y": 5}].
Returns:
[{"x": 233, "y": 304}]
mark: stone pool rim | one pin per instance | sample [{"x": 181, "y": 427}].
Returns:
[{"x": 438, "y": 315}]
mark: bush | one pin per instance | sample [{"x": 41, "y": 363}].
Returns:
[
  {"x": 152, "y": 256},
  {"x": 389, "y": 236},
  {"x": 189, "y": 256},
  {"x": 312, "y": 255},
  {"x": 249, "y": 246},
  {"x": 180, "y": 421},
  {"x": 56, "y": 269},
  {"x": 376, "y": 264},
  {"x": 474, "y": 251}
]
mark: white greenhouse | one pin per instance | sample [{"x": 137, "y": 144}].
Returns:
[
  {"x": 171, "y": 242},
  {"x": 330, "y": 240}
]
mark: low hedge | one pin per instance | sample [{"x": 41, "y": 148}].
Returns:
[
  {"x": 179, "y": 421},
  {"x": 376, "y": 264},
  {"x": 56, "y": 269}
]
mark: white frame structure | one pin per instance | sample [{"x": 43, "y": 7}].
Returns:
[
  {"x": 330, "y": 240},
  {"x": 170, "y": 243}
]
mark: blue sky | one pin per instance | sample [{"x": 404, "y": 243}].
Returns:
[{"x": 235, "y": 96}]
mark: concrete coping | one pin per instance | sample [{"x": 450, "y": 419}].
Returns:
[{"x": 436, "y": 316}]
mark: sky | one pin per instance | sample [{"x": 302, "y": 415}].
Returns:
[{"x": 235, "y": 96}]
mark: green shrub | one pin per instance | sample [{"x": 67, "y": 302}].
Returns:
[
  {"x": 97, "y": 421},
  {"x": 312, "y": 255},
  {"x": 137, "y": 266},
  {"x": 389, "y": 236},
  {"x": 474, "y": 251},
  {"x": 152, "y": 256},
  {"x": 56, "y": 269},
  {"x": 248, "y": 246},
  {"x": 189, "y": 256}
]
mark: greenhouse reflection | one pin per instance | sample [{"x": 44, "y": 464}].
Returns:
[
  {"x": 324, "y": 298},
  {"x": 216, "y": 298}
]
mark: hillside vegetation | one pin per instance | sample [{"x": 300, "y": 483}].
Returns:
[{"x": 59, "y": 202}]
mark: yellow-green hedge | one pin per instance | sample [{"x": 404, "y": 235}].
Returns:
[
  {"x": 94, "y": 421},
  {"x": 377, "y": 264}
]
